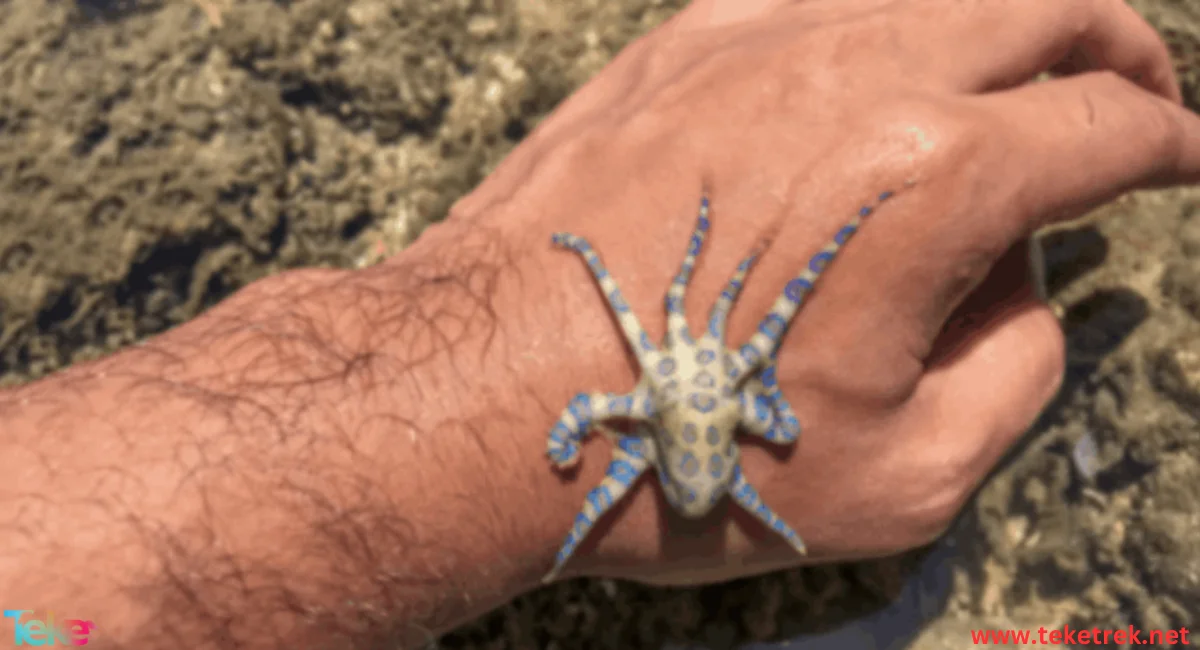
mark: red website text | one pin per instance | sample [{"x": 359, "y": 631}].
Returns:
[{"x": 1068, "y": 636}]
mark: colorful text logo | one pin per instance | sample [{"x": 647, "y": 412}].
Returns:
[{"x": 37, "y": 632}]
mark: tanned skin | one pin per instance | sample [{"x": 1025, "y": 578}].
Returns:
[{"x": 337, "y": 459}]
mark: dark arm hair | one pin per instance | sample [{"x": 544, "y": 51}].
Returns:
[{"x": 327, "y": 459}]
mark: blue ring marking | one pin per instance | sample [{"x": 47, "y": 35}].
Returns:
[
  {"x": 712, "y": 435},
  {"x": 705, "y": 357},
  {"x": 674, "y": 304},
  {"x": 764, "y": 512},
  {"x": 688, "y": 465},
  {"x": 772, "y": 325},
  {"x": 702, "y": 223},
  {"x": 600, "y": 497},
  {"x": 704, "y": 380},
  {"x": 796, "y": 289},
  {"x": 581, "y": 408},
  {"x": 693, "y": 247},
  {"x": 618, "y": 302},
  {"x": 864, "y": 211},
  {"x": 749, "y": 354},
  {"x": 666, "y": 366},
  {"x": 745, "y": 493},
  {"x": 631, "y": 446},
  {"x": 768, "y": 377},
  {"x": 560, "y": 432},
  {"x": 622, "y": 471},
  {"x": 689, "y": 433},
  {"x": 845, "y": 234},
  {"x": 714, "y": 325},
  {"x": 762, "y": 409},
  {"x": 618, "y": 405},
  {"x": 886, "y": 195},
  {"x": 645, "y": 342},
  {"x": 689, "y": 495},
  {"x": 566, "y": 551},
  {"x": 818, "y": 261},
  {"x": 703, "y": 402},
  {"x": 791, "y": 425},
  {"x": 716, "y": 465}
]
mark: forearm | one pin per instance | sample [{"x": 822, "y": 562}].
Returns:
[{"x": 325, "y": 454}]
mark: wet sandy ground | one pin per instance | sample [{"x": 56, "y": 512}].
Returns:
[{"x": 152, "y": 162}]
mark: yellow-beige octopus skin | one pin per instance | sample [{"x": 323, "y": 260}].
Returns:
[{"x": 691, "y": 397}]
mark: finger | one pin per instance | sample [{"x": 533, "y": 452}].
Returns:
[
  {"x": 1082, "y": 141},
  {"x": 1053, "y": 151},
  {"x": 995, "y": 378},
  {"x": 1013, "y": 280},
  {"x": 727, "y": 12},
  {"x": 702, "y": 14},
  {"x": 1012, "y": 41}
]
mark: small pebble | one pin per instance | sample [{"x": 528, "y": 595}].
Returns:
[{"x": 1086, "y": 456}]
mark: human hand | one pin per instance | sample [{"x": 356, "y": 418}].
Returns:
[{"x": 923, "y": 353}]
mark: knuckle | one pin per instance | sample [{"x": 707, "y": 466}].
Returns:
[
  {"x": 933, "y": 136},
  {"x": 944, "y": 498},
  {"x": 1157, "y": 120},
  {"x": 1112, "y": 83},
  {"x": 945, "y": 481},
  {"x": 1165, "y": 128}
]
